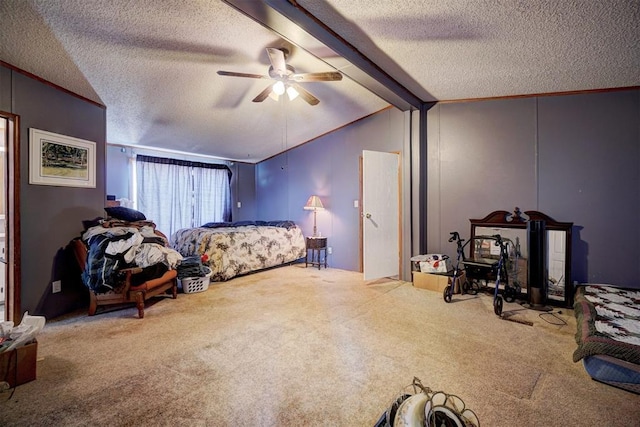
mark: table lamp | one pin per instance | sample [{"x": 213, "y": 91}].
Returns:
[{"x": 314, "y": 204}]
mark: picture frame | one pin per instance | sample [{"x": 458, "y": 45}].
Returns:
[{"x": 61, "y": 160}]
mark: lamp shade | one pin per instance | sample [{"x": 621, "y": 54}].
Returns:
[
  {"x": 278, "y": 88},
  {"x": 292, "y": 93},
  {"x": 313, "y": 204}
]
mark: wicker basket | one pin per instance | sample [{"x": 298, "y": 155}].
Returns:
[{"x": 195, "y": 284}]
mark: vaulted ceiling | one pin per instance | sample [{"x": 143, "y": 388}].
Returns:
[{"x": 154, "y": 64}]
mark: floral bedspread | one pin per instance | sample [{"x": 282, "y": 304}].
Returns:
[
  {"x": 233, "y": 251},
  {"x": 608, "y": 322}
]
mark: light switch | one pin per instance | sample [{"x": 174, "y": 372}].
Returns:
[{"x": 356, "y": 204}]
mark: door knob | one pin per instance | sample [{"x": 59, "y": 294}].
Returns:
[{"x": 368, "y": 215}]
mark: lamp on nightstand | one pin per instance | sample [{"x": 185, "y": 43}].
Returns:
[{"x": 314, "y": 204}]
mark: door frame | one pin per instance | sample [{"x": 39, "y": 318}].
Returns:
[
  {"x": 12, "y": 304},
  {"x": 361, "y": 214},
  {"x": 360, "y": 218}
]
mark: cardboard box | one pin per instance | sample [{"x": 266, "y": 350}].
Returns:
[
  {"x": 18, "y": 366},
  {"x": 435, "y": 282}
]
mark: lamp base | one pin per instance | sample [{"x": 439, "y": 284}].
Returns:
[
  {"x": 315, "y": 230},
  {"x": 537, "y": 299}
]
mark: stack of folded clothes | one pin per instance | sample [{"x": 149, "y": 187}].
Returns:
[{"x": 191, "y": 267}]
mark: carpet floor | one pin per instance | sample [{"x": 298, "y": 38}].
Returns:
[{"x": 297, "y": 346}]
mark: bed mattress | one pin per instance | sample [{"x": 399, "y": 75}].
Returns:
[
  {"x": 608, "y": 335},
  {"x": 240, "y": 249},
  {"x": 612, "y": 371}
]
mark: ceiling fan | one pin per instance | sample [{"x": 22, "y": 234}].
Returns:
[{"x": 286, "y": 78}]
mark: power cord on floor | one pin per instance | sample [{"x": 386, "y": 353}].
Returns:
[
  {"x": 5, "y": 388},
  {"x": 556, "y": 321}
]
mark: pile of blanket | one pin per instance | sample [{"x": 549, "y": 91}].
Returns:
[{"x": 114, "y": 246}]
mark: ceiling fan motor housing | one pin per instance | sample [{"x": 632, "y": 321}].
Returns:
[{"x": 274, "y": 75}]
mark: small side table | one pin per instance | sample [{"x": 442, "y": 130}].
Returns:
[{"x": 316, "y": 245}]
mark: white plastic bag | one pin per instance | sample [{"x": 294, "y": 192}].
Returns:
[
  {"x": 5, "y": 329},
  {"x": 26, "y": 331},
  {"x": 435, "y": 263}
]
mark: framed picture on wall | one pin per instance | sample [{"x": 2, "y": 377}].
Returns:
[{"x": 61, "y": 160}]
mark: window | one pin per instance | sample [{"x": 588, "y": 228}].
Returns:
[{"x": 177, "y": 194}]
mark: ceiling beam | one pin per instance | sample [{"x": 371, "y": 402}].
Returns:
[{"x": 297, "y": 25}]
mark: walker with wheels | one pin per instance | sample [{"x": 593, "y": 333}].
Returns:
[
  {"x": 447, "y": 294},
  {"x": 504, "y": 256},
  {"x": 484, "y": 269}
]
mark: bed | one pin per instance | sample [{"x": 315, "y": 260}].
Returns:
[
  {"x": 608, "y": 334},
  {"x": 234, "y": 249}
]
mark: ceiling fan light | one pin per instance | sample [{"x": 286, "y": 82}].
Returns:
[
  {"x": 274, "y": 96},
  {"x": 278, "y": 88},
  {"x": 292, "y": 93}
]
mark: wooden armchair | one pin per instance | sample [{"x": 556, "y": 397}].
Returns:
[{"x": 126, "y": 292}]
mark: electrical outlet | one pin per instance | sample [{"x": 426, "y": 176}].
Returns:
[
  {"x": 56, "y": 286},
  {"x": 239, "y": 204},
  {"x": 329, "y": 250}
]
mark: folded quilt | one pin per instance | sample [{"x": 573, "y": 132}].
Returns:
[{"x": 608, "y": 322}]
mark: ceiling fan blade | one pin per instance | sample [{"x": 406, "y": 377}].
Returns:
[
  {"x": 304, "y": 94},
  {"x": 276, "y": 57},
  {"x": 330, "y": 76},
  {"x": 234, "y": 74},
  {"x": 264, "y": 94}
]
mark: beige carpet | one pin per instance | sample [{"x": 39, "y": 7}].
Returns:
[{"x": 295, "y": 346}]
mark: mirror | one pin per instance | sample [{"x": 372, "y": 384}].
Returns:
[
  {"x": 516, "y": 239},
  {"x": 513, "y": 226}
]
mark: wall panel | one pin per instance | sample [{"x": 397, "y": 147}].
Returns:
[
  {"x": 573, "y": 157},
  {"x": 481, "y": 158},
  {"x": 51, "y": 216},
  {"x": 589, "y": 153}
]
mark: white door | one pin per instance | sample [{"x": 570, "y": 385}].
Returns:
[
  {"x": 380, "y": 207},
  {"x": 3, "y": 258}
]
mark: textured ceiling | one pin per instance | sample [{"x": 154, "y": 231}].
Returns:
[
  {"x": 153, "y": 63},
  {"x": 449, "y": 50}
]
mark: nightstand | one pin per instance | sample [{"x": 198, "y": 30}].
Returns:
[{"x": 316, "y": 245}]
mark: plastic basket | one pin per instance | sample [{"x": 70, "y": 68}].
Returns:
[{"x": 195, "y": 284}]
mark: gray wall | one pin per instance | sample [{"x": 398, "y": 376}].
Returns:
[
  {"x": 243, "y": 191},
  {"x": 51, "y": 216},
  {"x": 118, "y": 172},
  {"x": 574, "y": 157},
  {"x": 328, "y": 167},
  {"x": 5, "y": 89}
]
